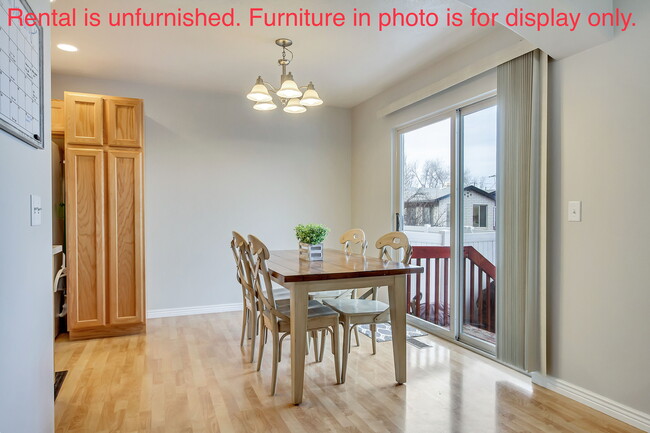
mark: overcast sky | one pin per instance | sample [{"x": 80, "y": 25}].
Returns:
[{"x": 433, "y": 142}]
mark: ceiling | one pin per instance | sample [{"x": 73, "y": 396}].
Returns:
[{"x": 347, "y": 64}]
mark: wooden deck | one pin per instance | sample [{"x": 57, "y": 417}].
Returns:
[{"x": 188, "y": 374}]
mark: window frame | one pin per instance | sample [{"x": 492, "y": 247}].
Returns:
[{"x": 480, "y": 206}]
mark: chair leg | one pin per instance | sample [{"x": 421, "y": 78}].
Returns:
[
  {"x": 356, "y": 335},
  {"x": 352, "y": 328},
  {"x": 346, "y": 348},
  {"x": 335, "y": 347},
  {"x": 249, "y": 320},
  {"x": 314, "y": 336},
  {"x": 373, "y": 332},
  {"x": 243, "y": 325},
  {"x": 323, "y": 334},
  {"x": 276, "y": 360},
  {"x": 260, "y": 352},
  {"x": 254, "y": 322}
]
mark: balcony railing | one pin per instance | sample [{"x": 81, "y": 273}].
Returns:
[{"x": 429, "y": 299}]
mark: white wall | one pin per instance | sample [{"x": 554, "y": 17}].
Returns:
[
  {"x": 600, "y": 154},
  {"x": 599, "y": 299},
  {"x": 26, "y": 312},
  {"x": 213, "y": 165}
]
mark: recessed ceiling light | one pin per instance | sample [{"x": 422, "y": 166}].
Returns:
[{"x": 67, "y": 47}]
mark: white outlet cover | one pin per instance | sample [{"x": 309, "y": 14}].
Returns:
[
  {"x": 575, "y": 211},
  {"x": 36, "y": 210}
]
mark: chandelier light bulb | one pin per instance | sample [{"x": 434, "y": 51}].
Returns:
[
  {"x": 311, "y": 98},
  {"x": 294, "y": 107},
  {"x": 259, "y": 92},
  {"x": 265, "y": 106},
  {"x": 289, "y": 89}
]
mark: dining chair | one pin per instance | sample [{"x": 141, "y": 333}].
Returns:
[
  {"x": 276, "y": 317},
  {"x": 367, "y": 310},
  {"x": 250, "y": 319},
  {"x": 353, "y": 240},
  {"x": 250, "y": 301}
]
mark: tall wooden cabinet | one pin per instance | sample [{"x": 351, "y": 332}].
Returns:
[{"x": 104, "y": 215}]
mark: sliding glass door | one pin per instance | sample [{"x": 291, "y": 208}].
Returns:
[
  {"x": 477, "y": 205},
  {"x": 426, "y": 185},
  {"x": 446, "y": 186}
]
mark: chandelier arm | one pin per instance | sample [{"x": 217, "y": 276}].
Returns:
[{"x": 270, "y": 87}]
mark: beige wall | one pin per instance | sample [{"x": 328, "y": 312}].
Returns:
[
  {"x": 213, "y": 165},
  {"x": 599, "y": 295},
  {"x": 26, "y": 311}
]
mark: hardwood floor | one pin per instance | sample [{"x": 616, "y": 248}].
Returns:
[{"x": 188, "y": 374}]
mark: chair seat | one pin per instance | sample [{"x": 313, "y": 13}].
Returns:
[
  {"x": 353, "y": 307},
  {"x": 330, "y": 294},
  {"x": 282, "y": 302},
  {"x": 314, "y": 309}
]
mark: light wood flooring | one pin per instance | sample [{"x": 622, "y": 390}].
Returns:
[{"x": 188, "y": 374}]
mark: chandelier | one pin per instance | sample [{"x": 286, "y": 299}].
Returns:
[{"x": 289, "y": 94}]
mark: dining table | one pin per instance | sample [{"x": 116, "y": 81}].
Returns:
[{"x": 339, "y": 271}]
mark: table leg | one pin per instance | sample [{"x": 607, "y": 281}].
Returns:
[
  {"x": 397, "y": 301},
  {"x": 299, "y": 300}
]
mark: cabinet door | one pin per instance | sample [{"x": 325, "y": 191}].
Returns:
[
  {"x": 86, "y": 241},
  {"x": 124, "y": 122},
  {"x": 58, "y": 117},
  {"x": 126, "y": 237},
  {"x": 84, "y": 119}
]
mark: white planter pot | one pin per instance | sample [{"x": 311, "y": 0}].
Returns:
[{"x": 311, "y": 253}]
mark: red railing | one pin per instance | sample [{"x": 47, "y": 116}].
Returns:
[{"x": 479, "y": 284}]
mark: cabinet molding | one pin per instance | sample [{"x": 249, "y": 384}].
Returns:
[
  {"x": 84, "y": 119},
  {"x": 123, "y": 124},
  {"x": 126, "y": 237},
  {"x": 86, "y": 238}
]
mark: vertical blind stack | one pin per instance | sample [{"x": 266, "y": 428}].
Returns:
[{"x": 520, "y": 135}]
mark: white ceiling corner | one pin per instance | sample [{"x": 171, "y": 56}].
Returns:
[{"x": 557, "y": 42}]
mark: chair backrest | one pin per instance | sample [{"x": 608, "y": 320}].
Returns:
[
  {"x": 258, "y": 255},
  {"x": 239, "y": 248},
  {"x": 394, "y": 241},
  {"x": 354, "y": 237},
  {"x": 235, "y": 245}
]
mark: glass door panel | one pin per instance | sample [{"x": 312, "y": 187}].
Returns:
[
  {"x": 426, "y": 168},
  {"x": 477, "y": 209}
]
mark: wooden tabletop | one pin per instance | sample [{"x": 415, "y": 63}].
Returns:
[{"x": 286, "y": 267}]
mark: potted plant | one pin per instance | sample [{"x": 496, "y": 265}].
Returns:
[{"x": 310, "y": 238}]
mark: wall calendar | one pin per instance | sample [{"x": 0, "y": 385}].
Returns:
[{"x": 21, "y": 77}]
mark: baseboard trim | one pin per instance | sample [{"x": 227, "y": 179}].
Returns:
[
  {"x": 189, "y": 311},
  {"x": 602, "y": 404}
]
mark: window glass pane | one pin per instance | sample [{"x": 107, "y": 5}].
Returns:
[
  {"x": 426, "y": 188},
  {"x": 479, "y": 197},
  {"x": 427, "y": 171}
]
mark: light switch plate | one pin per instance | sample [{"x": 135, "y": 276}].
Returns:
[
  {"x": 37, "y": 210},
  {"x": 575, "y": 211}
]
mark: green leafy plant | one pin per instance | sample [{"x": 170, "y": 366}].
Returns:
[{"x": 312, "y": 234}]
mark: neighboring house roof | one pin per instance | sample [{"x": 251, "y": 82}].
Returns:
[{"x": 432, "y": 195}]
